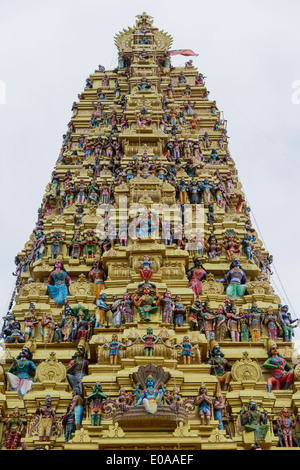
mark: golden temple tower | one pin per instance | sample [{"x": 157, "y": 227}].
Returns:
[{"x": 144, "y": 316}]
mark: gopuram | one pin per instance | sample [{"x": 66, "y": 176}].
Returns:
[{"x": 143, "y": 316}]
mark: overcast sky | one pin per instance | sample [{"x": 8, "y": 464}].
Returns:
[{"x": 249, "y": 52}]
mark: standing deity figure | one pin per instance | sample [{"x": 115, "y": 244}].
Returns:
[
  {"x": 150, "y": 396},
  {"x": 117, "y": 312},
  {"x": 272, "y": 324},
  {"x": 208, "y": 323},
  {"x": 186, "y": 346},
  {"x": 219, "y": 410},
  {"x": 196, "y": 275},
  {"x": 220, "y": 326},
  {"x": 248, "y": 245},
  {"x": 146, "y": 304},
  {"x": 31, "y": 322},
  {"x": 236, "y": 278},
  {"x": 68, "y": 423},
  {"x": 255, "y": 421},
  {"x": 102, "y": 310},
  {"x": 244, "y": 326},
  {"x": 179, "y": 311},
  {"x": 233, "y": 325},
  {"x": 207, "y": 192},
  {"x": 49, "y": 327},
  {"x": 286, "y": 323},
  {"x": 149, "y": 339},
  {"x": 122, "y": 234},
  {"x": 282, "y": 373},
  {"x": 127, "y": 308},
  {"x": 76, "y": 407},
  {"x": 97, "y": 276},
  {"x": 90, "y": 243},
  {"x": 21, "y": 374},
  {"x": 286, "y": 426},
  {"x": 168, "y": 307},
  {"x": 96, "y": 403},
  {"x": 114, "y": 346},
  {"x": 78, "y": 366},
  {"x": 14, "y": 428},
  {"x": 48, "y": 419},
  {"x": 57, "y": 283},
  {"x": 204, "y": 403},
  {"x": 66, "y": 330},
  {"x": 220, "y": 366},
  {"x": 254, "y": 322},
  {"x": 75, "y": 246},
  {"x": 57, "y": 240}
]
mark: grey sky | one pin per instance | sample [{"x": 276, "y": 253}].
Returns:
[{"x": 249, "y": 51}]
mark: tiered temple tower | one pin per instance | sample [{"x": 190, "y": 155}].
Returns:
[{"x": 144, "y": 269}]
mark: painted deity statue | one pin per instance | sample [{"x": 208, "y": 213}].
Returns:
[
  {"x": 196, "y": 276},
  {"x": 78, "y": 366},
  {"x": 21, "y": 374},
  {"x": 48, "y": 419},
  {"x": 168, "y": 307},
  {"x": 149, "y": 339},
  {"x": 255, "y": 323},
  {"x": 150, "y": 397},
  {"x": 204, "y": 403},
  {"x": 102, "y": 309},
  {"x": 96, "y": 403},
  {"x": 57, "y": 283},
  {"x": 236, "y": 278},
  {"x": 255, "y": 421},
  {"x": 97, "y": 276},
  {"x": 282, "y": 373},
  {"x": 146, "y": 304},
  {"x": 124, "y": 400},
  {"x": 179, "y": 311},
  {"x": 286, "y": 323},
  {"x": 220, "y": 366},
  {"x": 272, "y": 323},
  {"x": 286, "y": 426},
  {"x": 31, "y": 322},
  {"x": 127, "y": 308},
  {"x": 219, "y": 410},
  {"x": 77, "y": 407},
  {"x": 14, "y": 428},
  {"x": 146, "y": 268}
]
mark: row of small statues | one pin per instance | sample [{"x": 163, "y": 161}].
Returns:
[{"x": 251, "y": 419}]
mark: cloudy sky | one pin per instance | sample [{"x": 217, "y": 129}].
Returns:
[{"x": 249, "y": 52}]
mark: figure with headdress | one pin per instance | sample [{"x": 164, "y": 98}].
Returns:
[
  {"x": 95, "y": 402},
  {"x": 286, "y": 426},
  {"x": 204, "y": 403},
  {"x": 220, "y": 366},
  {"x": 14, "y": 428},
  {"x": 78, "y": 366},
  {"x": 124, "y": 400},
  {"x": 48, "y": 418},
  {"x": 196, "y": 276},
  {"x": 57, "y": 283},
  {"x": 97, "y": 276},
  {"x": 146, "y": 304},
  {"x": 282, "y": 373},
  {"x": 255, "y": 421},
  {"x": 236, "y": 278},
  {"x": 21, "y": 374},
  {"x": 150, "y": 396}
]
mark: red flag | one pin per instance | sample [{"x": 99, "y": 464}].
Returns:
[{"x": 186, "y": 52}]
